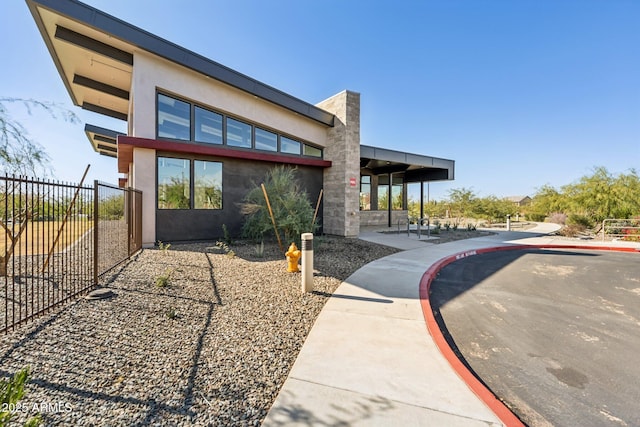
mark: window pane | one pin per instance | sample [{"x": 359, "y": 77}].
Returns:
[
  {"x": 238, "y": 133},
  {"x": 365, "y": 193},
  {"x": 174, "y": 118},
  {"x": 312, "y": 151},
  {"x": 396, "y": 193},
  {"x": 208, "y": 126},
  {"x": 289, "y": 146},
  {"x": 207, "y": 190},
  {"x": 173, "y": 183},
  {"x": 383, "y": 197},
  {"x": 266, "y": 140}
]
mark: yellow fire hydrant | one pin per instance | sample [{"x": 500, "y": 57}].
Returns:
[{"x": 293, "y": 255}]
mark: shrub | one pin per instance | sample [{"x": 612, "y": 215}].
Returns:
[
  {"x": 11, "y": 391},
  {"x": 557, "y": 218},
  {"x": 536, "y": 217},
  {"x": 291, "y": 208},
  {"x": 582, "y": 220},
  {"x": 572, "y": 230},
  {"x": 162, "y": 281}
]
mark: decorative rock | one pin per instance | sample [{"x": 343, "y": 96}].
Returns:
[{"x": 224, "y": 358}]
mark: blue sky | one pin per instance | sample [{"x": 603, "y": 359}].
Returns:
[{"x": 519, "y": 93}]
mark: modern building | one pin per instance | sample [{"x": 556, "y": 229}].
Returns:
[{"x": 201, "y": 135}]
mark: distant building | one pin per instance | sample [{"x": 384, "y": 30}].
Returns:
[
  {"x": 201, "y": 134},
  {"x": 519, "y": 200}
]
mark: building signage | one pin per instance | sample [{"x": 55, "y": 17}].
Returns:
[{"x": 352, "y": 182}]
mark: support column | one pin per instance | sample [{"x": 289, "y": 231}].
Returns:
[{"x": 341, "y": 208}]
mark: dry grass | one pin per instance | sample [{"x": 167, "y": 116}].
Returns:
[{"x": 39, "y": 236}]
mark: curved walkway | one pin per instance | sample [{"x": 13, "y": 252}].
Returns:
[{"x": 369, "y": 359}]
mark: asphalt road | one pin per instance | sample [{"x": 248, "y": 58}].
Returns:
[{"x": 555, "y": 334}]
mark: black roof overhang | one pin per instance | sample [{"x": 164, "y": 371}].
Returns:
[
  {"x": 416, "y": 167},
  {"x": 138, "y": 38}
]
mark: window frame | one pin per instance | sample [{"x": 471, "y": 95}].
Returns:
[
  {"x": 191, "y": 181},
  {"x": 303, "y": 145}
]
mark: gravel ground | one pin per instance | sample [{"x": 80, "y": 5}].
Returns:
[{"x": 213, "y": 347}]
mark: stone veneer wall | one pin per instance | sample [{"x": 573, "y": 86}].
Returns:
[
  {"x": 380, "y": 218},
  {"x": 341, "y": 200}
]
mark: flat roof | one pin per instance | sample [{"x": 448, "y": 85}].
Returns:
[
  {"x": 416, "y": 167},
  {"x": 93, "y": 52}
]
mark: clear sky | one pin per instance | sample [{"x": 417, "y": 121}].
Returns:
[{"x": 520, "y": 93}]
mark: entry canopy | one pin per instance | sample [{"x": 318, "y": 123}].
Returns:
[{"x": 416, "y": 168}]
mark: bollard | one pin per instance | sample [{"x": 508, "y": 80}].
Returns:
[
  {"x": 307, "y": 262},
  {"x": 508, "y": 222}
]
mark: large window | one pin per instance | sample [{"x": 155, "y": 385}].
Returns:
[
  {"x": 365, "y": 193},
  {"x": 174, "y": 118},
  {"x": 185, "y": 121},
  {"x": 207, "y": 185},
  {"x": 174, "y": 187},
  {"x": 208, "y": 126},
  {"x": 383, "y": 192},
  {"x": 179, "y": 179}
]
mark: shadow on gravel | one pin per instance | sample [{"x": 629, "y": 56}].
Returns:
[{"x": 56, "y": 345}]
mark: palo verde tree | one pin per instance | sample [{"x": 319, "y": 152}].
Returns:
[
  {"x": 594, "y": 197},
  {"x": 23, "y": 156},
  {"x": 19, "y": 153}
]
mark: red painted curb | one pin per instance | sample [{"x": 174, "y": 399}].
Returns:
[{"x": 500, "y": 409}]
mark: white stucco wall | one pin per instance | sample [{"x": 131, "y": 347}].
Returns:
[
  {"x": 151, "y": 72},
  {"x": 144, "y": 179}
]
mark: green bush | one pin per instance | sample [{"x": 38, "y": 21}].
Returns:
[
  {"x": 291, "y": 207},
  {"x": 535, "y": 217},
  {"x": 581, "y": 220},
  {"x": 11, "y": 391}
]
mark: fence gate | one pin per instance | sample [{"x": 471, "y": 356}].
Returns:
[
  {"x": 625, "y": 229},
  {"x": 57, "y": 239}
]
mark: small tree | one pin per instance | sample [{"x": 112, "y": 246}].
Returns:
[
  {"x": 19, "y": 154},
  {"x": 292, "y": 210}
]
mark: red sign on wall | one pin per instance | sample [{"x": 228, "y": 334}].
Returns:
[{"x": 352, "y": 182}]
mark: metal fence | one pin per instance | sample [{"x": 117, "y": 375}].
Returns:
[
  {"x": 57, "y": 239},
  {"x": 624, "y": 229}
]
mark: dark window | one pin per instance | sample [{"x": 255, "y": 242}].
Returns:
[
  {"x": 207, "y": 185},
  {"x": 174, "y": 118},
  {"x": 208, "y": 126},
  {"x": 266, "y": 140},
  {"x": 238, "y": 133},
  {"x": 174, "y": 187},
  {"x": 289, "y": 146}
]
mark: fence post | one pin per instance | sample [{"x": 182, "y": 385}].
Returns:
[
  {"x": 129, "y": 215},
  {"x": 96, "y": 206}
]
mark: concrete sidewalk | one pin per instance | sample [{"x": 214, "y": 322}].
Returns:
[{"x": 369, "y": 358}]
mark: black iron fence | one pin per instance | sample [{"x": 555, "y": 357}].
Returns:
[{"x": 57, "y": 239}]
